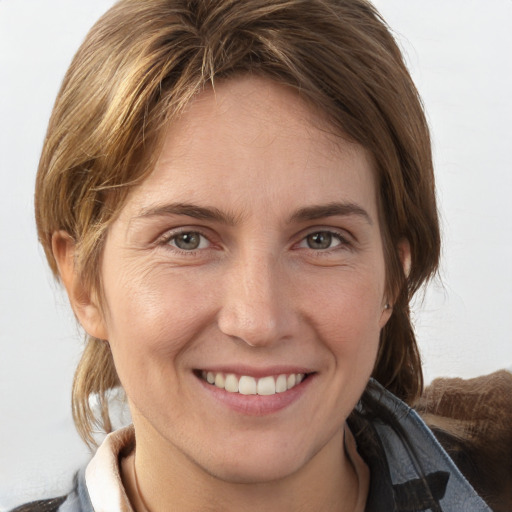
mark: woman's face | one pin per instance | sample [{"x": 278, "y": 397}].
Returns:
[{"x": 250, "y": 257}]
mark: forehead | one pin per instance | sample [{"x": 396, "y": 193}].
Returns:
[
  {"x": 250, "y": 134},
  {"x": 261, "y": 111}
]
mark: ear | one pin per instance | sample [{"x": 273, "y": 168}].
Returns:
[
  {"x": 84, "y": 303},
  {"x": 404, "y": 253}
]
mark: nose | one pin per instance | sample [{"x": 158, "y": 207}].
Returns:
[{"x": 257, "y": 305}]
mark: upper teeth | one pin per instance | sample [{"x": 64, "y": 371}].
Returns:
[{"x": 247, "y": 385}]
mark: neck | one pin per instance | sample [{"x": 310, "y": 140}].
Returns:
[{"x": 162, "y": 478}]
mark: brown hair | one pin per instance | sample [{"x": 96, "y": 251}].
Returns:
[{"x": 144, "y": 61}]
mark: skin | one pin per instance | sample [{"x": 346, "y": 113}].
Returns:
[{"x": 254, "y": 294}]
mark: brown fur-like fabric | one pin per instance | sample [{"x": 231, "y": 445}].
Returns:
[{"x": 473, "y": 421}]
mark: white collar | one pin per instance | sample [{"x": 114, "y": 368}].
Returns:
[{"x": 102, "y": 475}]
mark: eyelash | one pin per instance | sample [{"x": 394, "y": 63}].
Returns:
[
  {"x": 168, "y": 238},
  {"x": 343, "y": 242}
]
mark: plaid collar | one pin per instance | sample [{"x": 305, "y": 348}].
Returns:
[{"x": 410, "y": 470}]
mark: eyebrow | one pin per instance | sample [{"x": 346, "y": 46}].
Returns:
[
  {"x": 307, "y": 213},
  {"x": 315, "y": 212},
  {"x": 190, "y": 210}
]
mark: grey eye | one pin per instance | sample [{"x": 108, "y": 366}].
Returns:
[
  {"x": 320, "y": 240},
  {"x": 187, "y": 241}
]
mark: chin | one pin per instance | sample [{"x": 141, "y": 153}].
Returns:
[
  {"x": 262, "y": 461},
  {"x": 271, "y": 469}
]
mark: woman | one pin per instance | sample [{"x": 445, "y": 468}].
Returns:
[{"x": 239, "y": 200}]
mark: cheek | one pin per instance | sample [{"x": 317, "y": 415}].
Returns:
[
  {"x": 346, "y": 313},
  {"x": 352, "y": 300},
  {"x": 152, "y": 316}
]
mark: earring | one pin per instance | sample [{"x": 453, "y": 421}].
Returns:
[{"x": 387, "y": 306}]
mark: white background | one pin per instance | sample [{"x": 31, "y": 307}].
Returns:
[{"x": 459, "y": 54}]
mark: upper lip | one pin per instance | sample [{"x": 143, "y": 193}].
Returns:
[{"x": 256, "y": 372}]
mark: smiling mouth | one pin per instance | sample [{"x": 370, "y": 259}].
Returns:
[{"x": 247, "y": 385}]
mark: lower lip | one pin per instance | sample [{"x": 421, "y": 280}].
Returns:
[{"x": 257, "y": 405}]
